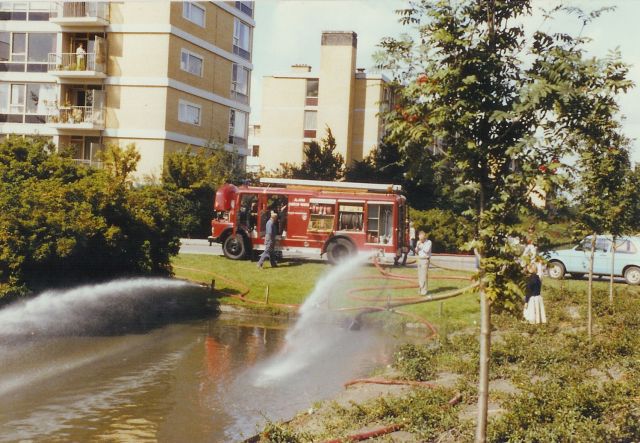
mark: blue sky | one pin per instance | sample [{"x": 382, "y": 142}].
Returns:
[{"x": 288, "y": 32}]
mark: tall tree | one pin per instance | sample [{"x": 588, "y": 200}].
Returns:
[
  {"x": 321, "y": 162},
  {"x": 464, "y": 81},
  {"x": 195, "y": 175}
]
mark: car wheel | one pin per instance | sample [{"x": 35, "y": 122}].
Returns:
[
  {"x": 632, "y": 275},
  {"x": 235, "y": 247},
  {"x": 339, "y": 250},
  {"x": 556, "y": 270}
]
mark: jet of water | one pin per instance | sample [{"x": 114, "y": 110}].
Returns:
[
  {"x": 108, "y": 308},
  {"x": 316, "y": 338}
]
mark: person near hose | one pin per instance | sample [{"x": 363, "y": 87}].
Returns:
[
  {"x": 423, "y": 251},
  {"x": 269, "y": 242}
]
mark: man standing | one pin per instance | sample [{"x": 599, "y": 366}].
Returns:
[
  {"x": 423, "y": 251},
  {"x": 80, "y": 54},
  {"x": 269, "y": 242}
]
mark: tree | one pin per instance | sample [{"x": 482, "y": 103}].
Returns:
[
  {"x": 423, "y": 182},
  {"x": 195, "y": 176},
  {"x": 321, "y": 162},
  {"x": 463, "y": 81}
]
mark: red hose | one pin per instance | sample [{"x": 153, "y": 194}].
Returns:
[{"x": 369, "y": 434}]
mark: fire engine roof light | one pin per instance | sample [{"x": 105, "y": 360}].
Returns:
[{"x": 371, "y": 187}]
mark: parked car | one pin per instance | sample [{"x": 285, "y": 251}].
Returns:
[{"x": 575, "y": 261}]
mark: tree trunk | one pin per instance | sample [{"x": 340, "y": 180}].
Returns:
[
  {"x": 485, "y": 354},
  {"x": 590, "y": 288},
  {"x": 613, "y": 263}
]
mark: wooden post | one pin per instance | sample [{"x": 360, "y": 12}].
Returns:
[
  {"x": 213, "y": 285},
  {"x": 441, "y": 310},
  {"x": 266, "y": 295}
]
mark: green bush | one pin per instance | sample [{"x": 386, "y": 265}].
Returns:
[
  {"x": 415, "y": 362},
  {"x": 195, "y": 175},
  {"x": 447, "y": 230},
  {"x": 61, "y": 222}
]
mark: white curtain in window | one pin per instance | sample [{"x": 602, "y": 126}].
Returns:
[
  {"x": 47, "y": 98},
  {"x": 4, "y": 98},
  {"x": 310, "y": 120},
  {"x": 240, "y": 125}
]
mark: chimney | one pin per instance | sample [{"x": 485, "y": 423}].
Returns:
[
  {"x": 301, "y": 68},
  {"x": 337, "y": 86}
]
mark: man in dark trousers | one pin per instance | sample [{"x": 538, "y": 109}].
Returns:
[{"x": 269, "y": 242}]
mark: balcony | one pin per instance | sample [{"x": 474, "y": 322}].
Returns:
[
  {"x": 79, "y": 13},
  {"x": 70, "y": 117},
  {"x": 72, "y": 65},
  {"x": 89, "y": 118}
]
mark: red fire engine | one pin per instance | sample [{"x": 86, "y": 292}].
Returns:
[{"x": 336, "y": 218}]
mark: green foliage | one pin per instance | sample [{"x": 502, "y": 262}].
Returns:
[
  {"x": 321, "y": 162},
  {"x": 412, "y": 167},
  {"x": 194, "y": 176},
  {"x": 63, "y": 222},
  {"x": 448, "y": 232},
  {"x": 275, "y": 433},
  {"x": 415, "y": 362}
]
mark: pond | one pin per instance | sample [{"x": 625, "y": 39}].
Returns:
[{"x": 211, "y": 379}]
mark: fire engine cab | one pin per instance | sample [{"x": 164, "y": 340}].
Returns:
[{"x": 332, "y": 218}]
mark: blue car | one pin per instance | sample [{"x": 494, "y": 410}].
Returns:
[{"x": 575, "y": 261}]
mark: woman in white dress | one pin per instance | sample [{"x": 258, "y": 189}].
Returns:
[{"x": 533, "y": 304}]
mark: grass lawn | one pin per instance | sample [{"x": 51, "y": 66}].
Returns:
[{"x": 293, "y": 281}]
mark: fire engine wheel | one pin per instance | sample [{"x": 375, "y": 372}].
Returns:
[
  {"x": 235, "y": 247},
  {"x": 339, "y": 249}
]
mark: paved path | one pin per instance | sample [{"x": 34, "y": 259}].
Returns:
[{"x": 198, "y": 246}]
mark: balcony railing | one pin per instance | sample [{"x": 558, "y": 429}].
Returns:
[
  {"x": 76, "y": 63},
  {"x": 88, "y": 163},
  {"x": 80, "y": 12},
  {"x": 80, "y": 116}
]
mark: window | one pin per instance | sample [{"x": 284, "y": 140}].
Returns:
[
  {"x": 625, "y": 247},
  {"x": 255, "y": 150},
  {"x": 191, "y": 62},
  {"x": 40, "y": 45},
  {"x": 40, "y": 97},
  {"x": 189, "y": 113},
  {"x": 240, "y": 79},
  {"x": 19, "y": 47},
  {"x": 5, "y": 40},
  {"x": 237, "y": 127},
  {"x": 312, "y": 92},
  {"x": 193, "y": 12},
  {"x": 17, "y": 99},
  {"x": 22, "y": 52},
  {"x": 241, "y": 39},
  {"x": 4, "y": 98},
  {"x": 246, "y": 7},
  {"x": 13, "y": 11},
  {"x": 310, "y": 124}
]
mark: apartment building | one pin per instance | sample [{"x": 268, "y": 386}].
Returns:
[
  {"x": 298, "y": 105},
  {"x": 163, "y": 75}
]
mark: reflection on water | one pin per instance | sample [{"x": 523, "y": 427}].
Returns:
[{"x": 189, "y": 382}]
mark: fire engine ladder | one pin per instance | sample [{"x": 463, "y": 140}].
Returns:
[{"x": 328, "y": 185}]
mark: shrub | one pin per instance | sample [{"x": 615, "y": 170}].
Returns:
[
  {"x": 63, "y": 223},
  {"x": 415, "y": 362},
  {"x": 447, "y": 230}
]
